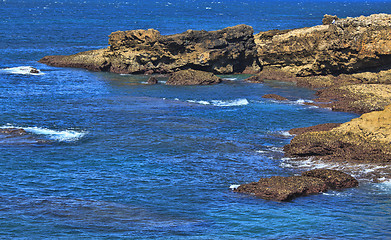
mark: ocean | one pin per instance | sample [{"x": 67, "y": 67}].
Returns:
[{"x": 109, "y": 157}]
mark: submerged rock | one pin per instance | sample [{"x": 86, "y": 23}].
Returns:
[
  {"x": 152, "y": 81},
  {"x": 275, "y": 97},
  {"x": 230, "y": 50},
  {"x": 11, "y": 132},
  {"x": 192, "y": 77},
  {"x": 17, "y": 136},
  {"x": 287, "y": 188},
  {"x": 366, "y": 139}
]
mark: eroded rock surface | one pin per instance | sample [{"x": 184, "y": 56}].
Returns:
[
  {"x": 344, "y": 46},
  {"x": 366, "y": 139},
  {"x": 230, "y": 50},
  {"x": 287, "y": 188},
  {"x": 192, "y": 77}
]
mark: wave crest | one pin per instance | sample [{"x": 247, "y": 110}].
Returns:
[
  {"x": 222, "y": 103},
  {"x": 24, "y": 70},
  {"x": 61, "y": 136}
]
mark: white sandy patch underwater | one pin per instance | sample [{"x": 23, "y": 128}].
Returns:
[{"x": 24, "y": 70}]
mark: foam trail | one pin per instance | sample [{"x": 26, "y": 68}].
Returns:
[
  {"x": 230, "y": 79},
  {"x": 61, "y": 136},
  {"x": 230, "y": 103},
  {"x": 24, "y": 70},
  {"x": 199, "y": 102}
]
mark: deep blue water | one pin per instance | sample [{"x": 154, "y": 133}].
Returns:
[{"x": 128, "y": 160}]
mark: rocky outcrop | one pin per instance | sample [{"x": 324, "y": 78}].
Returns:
[
  {"x": 358, "y": 98},
  {"x": 152, "y": 81},
  {"x": 17, "y": 136},
  {"x": 366, "y": 139},
  {"x": 230, "y": 50},
  {"x": 344, "y": 46},
  {"x": 192, "y": 77},
  {"x": 286, "y": 188},
  {"x": 334, "y": 179},
  {"x": 316, "y": 128},
  {"x": 10, "y": 132},
  {"x": 275, "y": 97}
]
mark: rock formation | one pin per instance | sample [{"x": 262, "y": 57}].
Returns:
[
  {"x": 286, "y": 188},
  {"x": 275, "y": 97},
  {"x": 192, "y": 77},
  {"x": 316, "y": 128},
  {"x": 366, "y": 139},
  {"x": 230, "y": 50},
  {"x": 17, "y": 136},
  {"x": 358, "y": 98},
  {"x": 152, "y": 81},
  {"x": 344, "y": 46}
]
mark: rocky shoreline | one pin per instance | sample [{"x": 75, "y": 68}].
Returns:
[{"x": 347, "y": 60}]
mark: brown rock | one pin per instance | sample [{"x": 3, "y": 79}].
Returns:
[
  {"x": 286, "y": 188},
  {"x": 283, "y": 188},
  {"x": 255, "y": 79},
  {"x": 275, "y": 97},
  {"x": 358, "y": 98},
  {"x": 366, "y": 139},
  {"x": 348, "y": 46},
  {"x": 316, "y": 128},
  {"x": 17, "y": 136},
  {"x": 329, "y": 19},
  {"x": 230, "y": 50},
  {"x": 152, "y": 81},
  {"x": 34, "y": 70},
  {"x": 333, "y": 178},
  {"x": 192, "y": 77},
  {"x": 12, "y": 131}
]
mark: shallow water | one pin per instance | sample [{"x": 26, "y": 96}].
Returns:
[{"x": 122, "y": 159}]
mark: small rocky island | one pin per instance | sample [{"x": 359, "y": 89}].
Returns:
[{"x": 348, "y": 62}]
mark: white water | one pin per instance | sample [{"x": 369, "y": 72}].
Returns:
[
  {"x": 61, "y": 136},
  {"x": 24, "y": 70},
  {"x": 221, "y": 103}
]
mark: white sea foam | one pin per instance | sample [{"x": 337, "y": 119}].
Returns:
[
  {"x": 230, "y": 79},
  {"x": 25, "y": 70},
  {"x": 364, "y": 172},
  {"x": 302, "y": 101},
  {"x": 230, "y": 103},
  {"x": 199, "y": 102},
  {"x": 61, "y": 136},
  {"x": 222, "y": 103},
  {"x": 285, "y": 134}
]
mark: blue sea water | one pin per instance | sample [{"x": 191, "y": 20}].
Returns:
[{"x": 125, "y": 160}]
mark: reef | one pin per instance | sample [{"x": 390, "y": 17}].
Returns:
[
  {"x": 287, "y": 188},
  {"x": 18, "y": 136}
]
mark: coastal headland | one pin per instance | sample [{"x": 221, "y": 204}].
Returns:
[{"x": 348, "y": 62}]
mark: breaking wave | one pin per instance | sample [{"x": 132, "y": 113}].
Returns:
[
  {"x": 222, "y": 103},
  {"x": 61, "y": 136},
  {"x": 361, "y": 171},
  {"x": 24, "y": 70}
]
